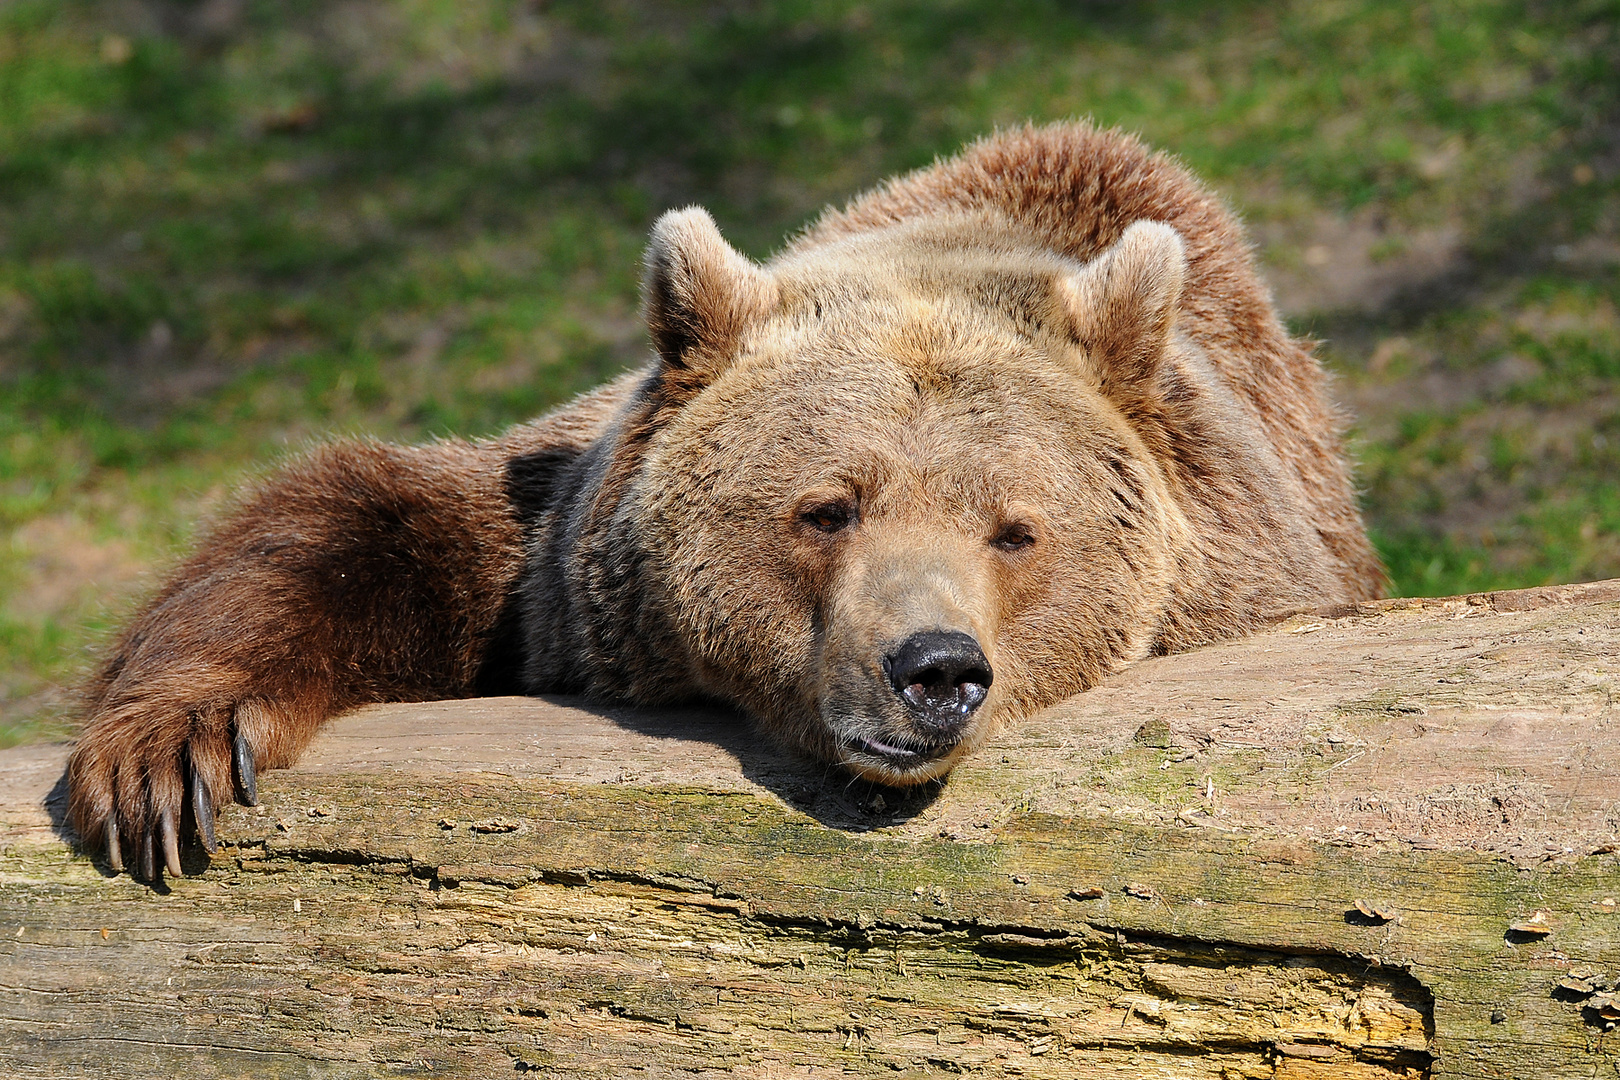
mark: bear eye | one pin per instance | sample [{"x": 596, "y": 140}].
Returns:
[
  {"x": 829, "y": 517},
  {"x": 1014, "y": 537}
]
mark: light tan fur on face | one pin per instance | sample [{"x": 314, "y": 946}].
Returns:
[{"x": 940, "y": 388}]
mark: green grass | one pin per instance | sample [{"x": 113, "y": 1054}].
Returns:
[{"x": 223, "y": 235}]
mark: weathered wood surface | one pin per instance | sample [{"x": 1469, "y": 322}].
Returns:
[{"x": 1157, "y": 879}]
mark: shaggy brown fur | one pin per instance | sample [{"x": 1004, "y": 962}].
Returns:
[{"x": 961, "y": 449}]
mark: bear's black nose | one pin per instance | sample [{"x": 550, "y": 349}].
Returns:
[{"x": 941, "y": 676}]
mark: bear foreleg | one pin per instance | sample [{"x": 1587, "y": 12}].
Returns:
[{"x": 364, "y": 572}]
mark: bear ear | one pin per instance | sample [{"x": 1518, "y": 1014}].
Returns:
[
  {"x": 1123, "y": 303},
  {"x": 699, "y": 295}
]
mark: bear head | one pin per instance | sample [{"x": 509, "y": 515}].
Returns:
[{"x": 896, "y": 491}]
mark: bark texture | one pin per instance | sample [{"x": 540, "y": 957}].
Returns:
[{"x": 1300, "y": 855}]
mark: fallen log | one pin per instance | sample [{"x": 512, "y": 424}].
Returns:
[{"x": 1379, "y": 842}]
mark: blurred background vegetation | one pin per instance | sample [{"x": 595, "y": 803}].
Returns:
[{"x": 230, "y": 227}]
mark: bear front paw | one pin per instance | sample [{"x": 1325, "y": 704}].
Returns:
[{"x": 137, "y": 783}]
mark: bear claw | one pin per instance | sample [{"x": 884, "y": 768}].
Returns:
[
  {"x": 171, "y": 844},
  {"x": 247, "y": 783},
  {"x": 202, "y": 806},
  {"x": 115, "y": 857},
  {"x": 147, "y": 865}
]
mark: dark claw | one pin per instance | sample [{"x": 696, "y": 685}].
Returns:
[
  {"x": 114, "y": 856},
  {"x": 247, "y": 783},
  {"x": 202, "y": 806},
  {"x": 171, "y": 844},
  {"x": 148, "y": 865}
]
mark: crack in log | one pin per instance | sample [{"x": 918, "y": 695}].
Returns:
[{"x": 1100, "y": 942}]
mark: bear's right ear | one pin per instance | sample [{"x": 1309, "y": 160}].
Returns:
[
  {"x": 699, "y": 295},
  {"x": 1122, "y": 305}
]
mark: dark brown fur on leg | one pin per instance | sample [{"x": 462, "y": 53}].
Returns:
[{"x": 362, "y": 573}]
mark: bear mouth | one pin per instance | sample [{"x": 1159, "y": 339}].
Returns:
[{"x": 897, "y": 755}]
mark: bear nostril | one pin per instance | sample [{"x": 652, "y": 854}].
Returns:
[
  {"x": 936, "y": 687},
  {"x": 942, "y": 677}
]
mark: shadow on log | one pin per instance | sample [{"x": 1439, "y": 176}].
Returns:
[{"x": 1372, "y": 843}]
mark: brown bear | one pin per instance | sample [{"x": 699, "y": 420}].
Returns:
[{"x": 961, "y": 449}]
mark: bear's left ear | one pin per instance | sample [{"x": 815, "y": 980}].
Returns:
[
  {"x": 1123, "y": 304},
  {"x": 699, "y": 294}
]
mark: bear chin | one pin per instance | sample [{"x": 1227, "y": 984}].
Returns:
[
  {"x": 894, "y": 765},
  {"x": 962, "y": 448}
]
